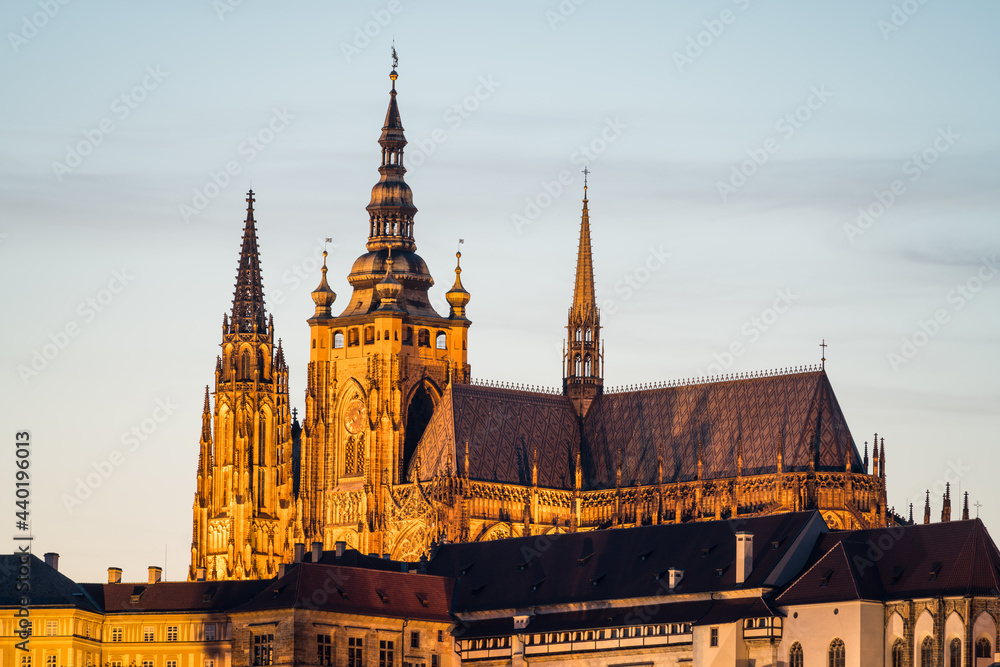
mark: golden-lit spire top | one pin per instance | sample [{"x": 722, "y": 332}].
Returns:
[
  {"x": 323, "y": 296},
  {"x": 388, "y": 288},
  {"x": 248, "y": 297},
  {"x": 584, "y": 309},
  {"x": 457, "y": 296}
]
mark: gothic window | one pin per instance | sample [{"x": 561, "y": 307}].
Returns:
[
  {"x": 352, "y": 338},
  {"x": 386, "y": 336},
  {"x": 579, "y": 334},
  {"x": 955, "y": 653},
  {"x": 927, "y": 652},
  {"x": 898, "y": 649},
  {"x": 245, "y": 365},
  {"x": 338, "y": 339},
  {"x": 369, "y": 335},
  {"x": 262, "y": 441},
  {"x": 261, "y": 487},
  {"x": 349, "y": 456},
  {"x": 586, "y": 366},
  {"x": 837, "y": 653},
  {"x": 424, "y": 338},
  {"x": 576, "y": 365},
  {"x": 588, "y": 336},
  {"x": 984, "y": 648},
  {"x": 795, "y": 655},
  {"x": 441, "y": 341}
]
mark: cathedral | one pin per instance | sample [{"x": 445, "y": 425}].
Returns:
[{"x": 402, "y": 448}]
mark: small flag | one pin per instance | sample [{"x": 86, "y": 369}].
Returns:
[{"x": 329, "y": 240}]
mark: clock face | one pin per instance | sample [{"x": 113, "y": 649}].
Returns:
[{"x": 354, "y": 418}]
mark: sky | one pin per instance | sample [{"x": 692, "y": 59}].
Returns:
[{"x": 764, "y": 176}]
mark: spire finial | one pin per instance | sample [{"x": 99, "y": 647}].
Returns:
[
  {"x": 823, "y": 358},
  {"x": 586, "y": 172},
  {"x": 395, "y": 64},
  {"x": 248, "y": 298},
  {"x": 458, "y": 298}
]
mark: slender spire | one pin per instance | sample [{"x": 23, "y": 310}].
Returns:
[
  {"x": 248, "y": 299},
  {"x": 946, "y": 504},
  {"x": 391, "y": 209},
  {"x": 206, "y": 420},
  {"x": 881, "y": 456},
  {"x": 965, "y": 507},
  {"x": 584, "y": 299},
  {"x": 323, "y": 296},
  {"x": 927, "y": 507}
]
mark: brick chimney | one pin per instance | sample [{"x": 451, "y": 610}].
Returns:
[
  {"x": 744, "y": 556},
  {"x": 201, "y": 574},
  {"x": 52, "y": 560},
  {"x": 114, "y": 575},
  {"x": 317, "y": 551},
  {"x": 300, "y": 550},
  {"x": 340, "y": 546},
  {"x": 155, "y": 574}
]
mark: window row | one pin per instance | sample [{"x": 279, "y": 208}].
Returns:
[
  {"x": 983, "y": 648},
  {"x": 352, "y": 337},
  {"x": 171, "y": 635}
]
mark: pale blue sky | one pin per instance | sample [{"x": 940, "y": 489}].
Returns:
[{"x": 677, "y": 130}]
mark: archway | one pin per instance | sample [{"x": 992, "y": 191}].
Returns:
[{"x": 418, "y": 415}]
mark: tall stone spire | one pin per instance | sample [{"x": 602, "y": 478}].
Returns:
[
  {"x": 248, "y": 299},
  {"x": 391, "y": 209},
  {"x": 583, "y": 363}
]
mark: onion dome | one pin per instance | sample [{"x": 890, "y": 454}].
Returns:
[
  {"x": 323, "y": 296},
  {"x": 457, "y": 296}
]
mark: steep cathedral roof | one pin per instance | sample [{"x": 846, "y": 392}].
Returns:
[{"x": 746, "y": 421}]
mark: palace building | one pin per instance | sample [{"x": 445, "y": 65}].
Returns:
[{"x": 402, "y": 448}]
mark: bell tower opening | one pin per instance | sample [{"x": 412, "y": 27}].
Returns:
[{"x": 418, "y": 415}]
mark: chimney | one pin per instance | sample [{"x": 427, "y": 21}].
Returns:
[
  {"x": 114, "y": 575},
  {"x": 340, "y": 546},
  {"x": 201, "y": 574},
  {"x": 282, "y": 569},
  {"x": 744, "y": 556},
  {"x": 300, "y": 549},
  {"x": 317, "y": 551},
  {"x": 52, "y": 560},
  {"x": 155, "y": 573},
  {"x": 674, "y": 577},
  {"x": 385, "y": 556}
]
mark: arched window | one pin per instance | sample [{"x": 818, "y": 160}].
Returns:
[
  {"x": 408, "y": 336},
  {"x": 261, "y": 441},
  {"x": 245, "y": 365},
  {"x": 927, "y": 652},
  {"x": 352, "y": 338},
  {"x": 576, "y": 365},
  {"x": 795, "y": 655},
  {"x": 424, "y": 338},
  {"x": 579, "y": 333},
  {"x": 586, "y": 366},
  {"x": 338, "y": 339},
  {"x": 955, "y": 653},
  {"x": 837, "y": 653},
  {"x": 898, "y": 649},
  {"x": 386, "y": 336},
  {"x": 588, "y": 336},
  {"x": 369, "y": 335},
  {"x": 983, "y": 648},
  {"x": 441, "y": 341}
]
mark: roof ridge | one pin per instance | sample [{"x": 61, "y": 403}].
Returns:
[{"x": 806, "y": 573}]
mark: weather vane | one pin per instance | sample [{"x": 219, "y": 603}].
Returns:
[{"x": 395, "y": 57}]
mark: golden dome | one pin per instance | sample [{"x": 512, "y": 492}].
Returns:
[
  {"x": 323, "y": 296},
  {"x": 457, "y": 296}
]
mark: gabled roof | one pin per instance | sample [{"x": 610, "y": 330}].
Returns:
[
  {"x": 174, "y": 596},
  {"x": 797, "y": 413},
  {"x": 49, "y": 588},
  {"x": 956, "y": 558},
  {"x": 356, "y": 591},
  {"x": 503, "y": 428},
  {"x": 757, "y": 414},
  {"x": 612, "y": 564}
]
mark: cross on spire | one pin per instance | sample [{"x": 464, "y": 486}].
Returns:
[
  {"x": 977, "y": 505},
  {"x": 823, "y": 358},
  {"x": 585, "y": 171}
]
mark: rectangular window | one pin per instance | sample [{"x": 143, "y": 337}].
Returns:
[
  {"x": 714, "y": 637},
  {"x": 116, "y": 663},
  {"x": 171, "y": 633},
  {"x": 440, "y": 635},
  {"x": 147, "y": 663},
  {"x": 324, "y": 650},
  {"x": 116, "y": 634},
  {"x": 148, "y": 633},
  {"x": 263, "y": 649},
  {"x": 434, "y": 661},
  {"x": 171, "y": 663},
  {"x": 51, "y": 627},
  {"x": 355, "y": 652},
  {"x": 386, "y": 653},
  {"x": 25, "y": 661},
  {"x": 50, "y": 661},
  {"x": 210, "y": 632},
  {"x": 414, "y": 640},
  {"x": 209, "y": 662}
]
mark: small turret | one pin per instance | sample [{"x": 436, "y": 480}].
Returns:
[
  {"x": 457, "y": 296},
  {"x": 323, "y": 296}
]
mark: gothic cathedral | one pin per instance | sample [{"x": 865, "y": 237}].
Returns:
[{"x": 400, "y": 448}]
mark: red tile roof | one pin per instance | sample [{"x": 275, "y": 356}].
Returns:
[{"x": 174, "y": 596}]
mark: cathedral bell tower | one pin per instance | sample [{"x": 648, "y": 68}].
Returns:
[
  {"x": 583, "y": 358},
  {"x": 377, "y": 370},
  {"x": 244, "y": 506}
]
